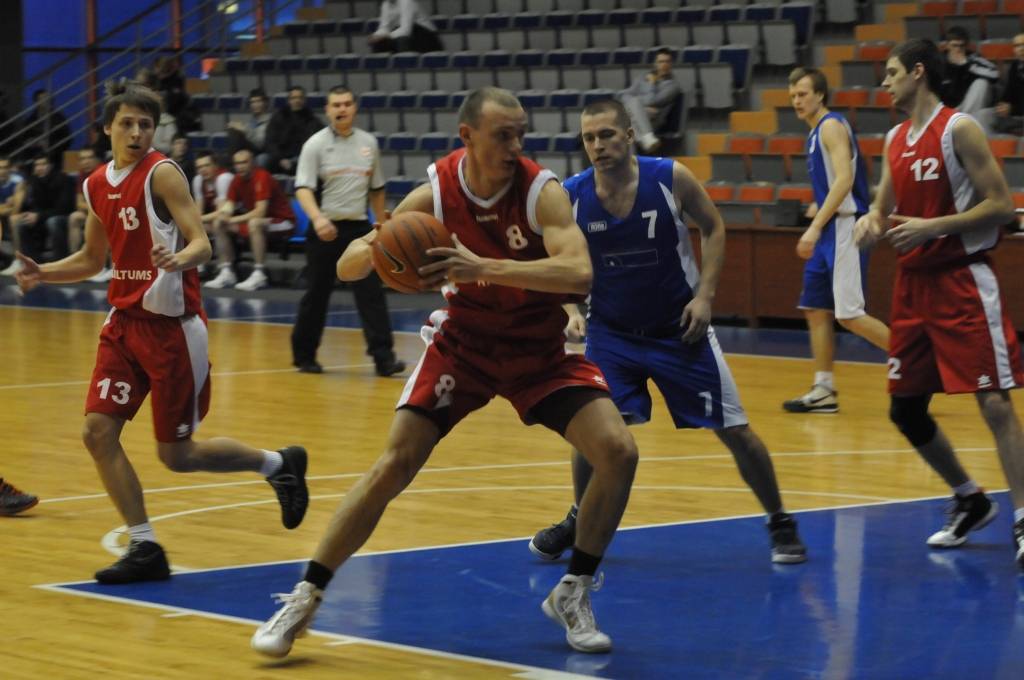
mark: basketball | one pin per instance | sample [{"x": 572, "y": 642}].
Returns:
[{"x": 400, "y": 248}]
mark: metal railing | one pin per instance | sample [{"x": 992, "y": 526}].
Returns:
[{"x": 210, "y": 36}]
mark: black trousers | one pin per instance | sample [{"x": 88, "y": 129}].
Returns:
[{"x": 321, "y": 273}]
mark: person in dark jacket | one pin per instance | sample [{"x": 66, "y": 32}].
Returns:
[
  {"x": 49, "y": 200},
  {"x": 1010, "y": 108},
  {"x": 46, "y": 128},
  {"x": 288, "y": 130}
]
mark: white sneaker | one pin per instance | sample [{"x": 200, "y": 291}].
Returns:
[
  {"x": 820, "y": 399},
  {"x": 275, "y": 637},
  {"x": 13, "y": 268},
  {"x": 569, "y": 606},
  {"x": 225, "y": 277},
  {"x": 255, "y": 281},
  {"x": 103, "y": 276}
]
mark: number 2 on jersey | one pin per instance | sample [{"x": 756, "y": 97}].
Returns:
[{"x": 930, "y": 166}]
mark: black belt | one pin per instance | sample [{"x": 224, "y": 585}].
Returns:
[{"x": 674, "y": 331}]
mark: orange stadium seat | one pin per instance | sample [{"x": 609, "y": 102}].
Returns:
[
  {"x": 996, "y": 50},
  {"x": 720, "y": 191},
  {"x": 786, "y": 144},
  {"x": 871, "y": 145},
  {"x": 1003, "y": 145},
  {"x": 979, "y": 7},
  {"x": 1013, "y": 6},
  {"x": 756, "y": 192},
  {"x": 876, "y": 49},
  {"x": 851, "y": 97},
  {"x": 881, "y": 97},
  {"x": 745, "y": 143},
  {"x": 939, "y": 8},
  {"x": 800, "y": 192}
]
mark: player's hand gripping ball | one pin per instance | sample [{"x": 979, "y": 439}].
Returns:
[{"x": 400, "y": 249}]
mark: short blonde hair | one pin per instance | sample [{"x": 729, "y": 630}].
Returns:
[{"x": 818, "y": 80}]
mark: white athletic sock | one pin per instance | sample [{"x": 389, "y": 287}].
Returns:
[
  {"x": 966, "y": 489},
  {"x": 1018, "y": 515},
  {"x": 272, "y": 462},
  {"x": 824, "y": 378},
  {"x": 142, "y": 532}
]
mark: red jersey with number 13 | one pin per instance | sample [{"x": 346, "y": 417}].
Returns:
[
  {"x": 929, "y": 181},
  {"x": 123, "y": 201}
]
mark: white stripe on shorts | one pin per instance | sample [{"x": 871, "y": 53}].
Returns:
[
  {"x": 847, "y": 285},
  {"x": 198, "y": 353},
  {"x": 732, "y": 410},
  {"x": 988, "y": 291}
]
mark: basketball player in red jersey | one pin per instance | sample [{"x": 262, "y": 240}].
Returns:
[
  {"x": 154, "y": 339},
  {"x": 946, "y": 199},
  {"x": 518, "y": 255}
]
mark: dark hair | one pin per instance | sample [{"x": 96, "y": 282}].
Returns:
[
  {"x": 130, "y": 94},
  {"x": 207, "y": 154},
  {"x": 179, "y": 135},
  {"x": 473, "y": 104},
  {"x": 340, "y": 89},
  {"x": 257, "y": 92},
  {"x": 40, "y": 156},
  {"x": 665, "y": 50},
  {"x": 925, "y": 52},
  {"x": 958, "y": 33},
  {"x": 300, "y": 88},
  {"x": 603, "y": 106},
  {"x": 819, "y": 83}
]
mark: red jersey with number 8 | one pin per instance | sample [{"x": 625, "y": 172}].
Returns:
[
  {"x": 929, "y": 181},
  {"x": 502, "y": 227},
  {"x": 123, "y": 201}
]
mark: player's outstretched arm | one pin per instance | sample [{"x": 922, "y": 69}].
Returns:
[
  {"x": 88, "y": 261},
  {"x": 356, "y": 262},
  {"x": 995, "y": 204},
  {"x": 567, "y": 268},
  {"x": 170, "y": 187}
]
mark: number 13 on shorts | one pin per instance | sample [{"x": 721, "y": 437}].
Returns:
[{"x": 118, "y": 392}]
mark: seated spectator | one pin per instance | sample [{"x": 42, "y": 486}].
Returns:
[
  {"x": 252, "y": 133},
  {"x": 87, "y": 163},
  {"x": 404, "y": 27},
  {"x": 182, "y": 155},
  {"x": 11, "y": 188},
  {"x": 98, "y": 141},
  {"x": 49, "y": 200},
  {"x": 970, "y": 78},
  {"x": 210, "y": 188},
  {"x": 264, "y": 210},
  {"x": 166, "y": 129},
  {"x": 288, "y": 130},
  {"x": 650, "y": 99},
  {"x": 1009, "y": 118}
]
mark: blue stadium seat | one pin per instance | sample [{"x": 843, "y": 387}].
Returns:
[
  {"x": 400, "y": 185},
  {"x": 591, "y": 17},
  {"x": 198, "y": 141},
  {"x": 566, "y": 98},
  {"x": 698, "y": 54},
  {"x": 204, "y": 102},
  {"x": 691, "y": 15},
  {"x": 628, "y": 56},
  {"x": 496, "y": 22},
  {"x": 566, "y": 142},
  {"x": 802, "y": 16},
  {"x": 724, "y": 13},
  {"x": 219, "y": 141},
  {"x": 597, "y": 94},
  {"x": 536, "y": 141},
  {"x": 435, "y": 142},
  {"x": 761, "y": 12},
  {"x": 405, "y": 60},
  {"x": 532, "y": 99},
  {"x": 316, "y": 100},
  {"x": 739, "y": 57},
  {"x": 656, "y": 16},
  {"x": 230, "y": 103},
  {"x": 623, "y": 17}
]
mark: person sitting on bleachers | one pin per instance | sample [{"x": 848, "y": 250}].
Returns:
[
  {"x": 266, "y": 211},
  {"x": 49, "y": 199},
  {"x": 252, "y": 133},
  {"x": 1010, "y": 109},
  {"x": 182, "y": 155},
  {"x": 650, "y": 99},
  {"x": 11, "y": 186},
  {"x": 288, "y": 130},
  {"x": 166, "y": 129},
  {"x": 970, "y": 78},
  {"x": 210, "y": 188},
  {"x": 87, "y": 163},
  {"x": 404, "y": 27}
]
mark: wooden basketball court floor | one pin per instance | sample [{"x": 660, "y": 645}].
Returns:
[{"x": 491, "y": 479}]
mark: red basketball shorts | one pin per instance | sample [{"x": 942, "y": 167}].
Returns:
[
  {"x": 165, "y": 356},
  {"x": 951, "y": 333}
]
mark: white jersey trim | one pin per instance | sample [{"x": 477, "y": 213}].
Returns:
[
  {"x": 85, "y": 194},
  {"x": 115, "y": 176},
  {"x": 848, "y": 205},
  {"x": 686, "y": 259},
  {"x": 533, "y": 196},
  {"x": 912, "y": 137},
  {"x": 988, "y": 291},
  {"x": 964, "y": 194},
  {"x": 166, "y": 295},
  {"x": 433, "y": 327},
  {"x": 483, "y": 203},
  {"x": 435, "y": 189}
]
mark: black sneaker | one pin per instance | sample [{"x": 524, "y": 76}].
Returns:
[
  {"x": 550, "y": 543},
  {"x": 1018, "y": 541},
  {"x": 144, "y": 561},
  {"x": 14, "y": 500},
  {"x": 965, "y": 514},
  {"x": 290, "y": 485},
  {"x": 787, "y": 548},
  {"x": 311, "y": 366},
  {"x": 389, "y": 367}
]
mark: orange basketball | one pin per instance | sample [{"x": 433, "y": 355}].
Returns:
[{"x": 400, "y": 248}]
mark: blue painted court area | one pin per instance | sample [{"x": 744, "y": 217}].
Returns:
[
  {"x": 408, "y": 312},
  {"x": 697, "y": 600}
]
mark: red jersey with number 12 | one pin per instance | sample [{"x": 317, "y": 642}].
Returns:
[
  {"x": 123, "y": 201},
  {"x": 929, "y": 181},
  {"x": 503, "y": 227}
]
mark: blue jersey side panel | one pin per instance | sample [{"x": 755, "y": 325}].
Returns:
[
  {"x": 820, "y": 170},
  {"x": 644, "y": 269}
]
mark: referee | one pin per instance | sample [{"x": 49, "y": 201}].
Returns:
[{"x": 338, "y": 174}]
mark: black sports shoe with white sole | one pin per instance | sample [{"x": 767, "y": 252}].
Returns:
[
  {"x": 965, "y": 514},
  {"x": 290, "y": 486},
  {"x": 550, "y": 543},
  {"x": 144, "y": 561}
]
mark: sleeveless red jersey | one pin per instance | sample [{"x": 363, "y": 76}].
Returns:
[
  {"x": 929, "y": 181},
  {"x": 502, "y": 227},
  {"x": 122, "y": 199}
]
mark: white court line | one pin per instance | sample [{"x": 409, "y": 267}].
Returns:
[
  {"x": 342, "y": 639},
  {"x": 509, "y": 466}
]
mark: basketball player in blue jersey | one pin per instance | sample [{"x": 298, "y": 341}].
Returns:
[
  {"x": 650, "y": 310},
  {"x": 834, "y": 276}
]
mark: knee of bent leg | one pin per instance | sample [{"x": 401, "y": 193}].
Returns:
[
  {"x": 910, "y": 415},
  {"x": 99, "y": 433},
  {"x": 620, "y": 454},
  {"x": 394, "y": 470},
  {"x": 997, "y": 409},
  {"x": 176, "y": 457}
]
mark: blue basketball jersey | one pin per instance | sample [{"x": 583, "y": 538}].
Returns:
[
  {"x": 644, "y": 269},
  {"x": 820, "y": 170}
]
